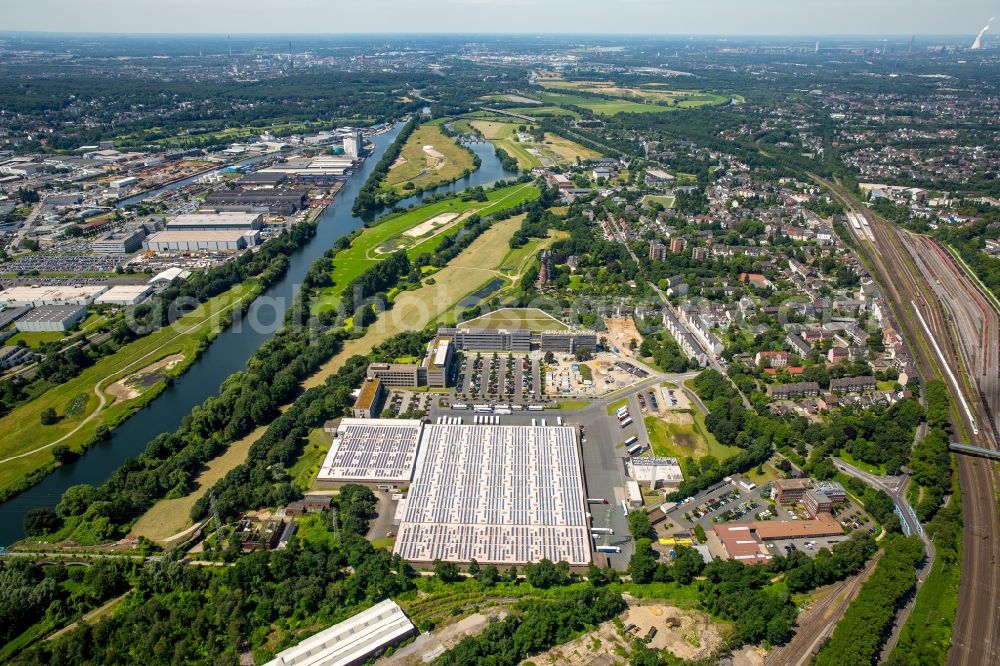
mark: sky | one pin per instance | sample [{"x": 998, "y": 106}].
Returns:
[{"x": 666, "y": 17}]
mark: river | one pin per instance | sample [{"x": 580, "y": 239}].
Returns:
[{"x": 229, "y": 352}]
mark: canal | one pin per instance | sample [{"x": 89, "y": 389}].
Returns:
[{"x": 229, "y": 352}]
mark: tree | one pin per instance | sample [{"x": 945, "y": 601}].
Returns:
[
  {"x": 63, "y": 453},
  {"x": 48, "y": 416},
  {"x": 41, "y": 520},
  {"x": 688, "y": 563},
  {"x": 639, "y": 525},
  {"x": 699, "y": 532},
  {"x": 447, "y": 571}
]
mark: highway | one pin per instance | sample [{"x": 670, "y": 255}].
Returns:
[{"x": 916, "y": 272}]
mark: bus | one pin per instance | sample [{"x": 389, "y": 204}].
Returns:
[
  {"x": 627, "y": 422},
  {"x": 535, "y": 408},
  {"x": 634, "y": 449},
  {"x": 601, "y": 530},
  {"x": 559, "y": 420},
  {"x": 459, "y": 406},
  {"x": 631, "y": 440},
  {"x": 621, "y": 411},
  {"x": 608, "y": 549},
  {"x": 625, "y": 507},
  {"x": 482, "y": 409}
]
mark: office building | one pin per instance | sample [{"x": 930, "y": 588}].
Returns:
[
  {"x": 489, "y": 339},
  {"x": 816, "y": 503},
  {"x": 398, "y": 375},
  {"x": 119, "y": 242},
  {"x": 568, "y": 343},
  {"x": 437, "y": 362},
  {"x": 832, "y": 490},
  {"x": 788, "y": 491},
  {"x": 370, "y": 400}
]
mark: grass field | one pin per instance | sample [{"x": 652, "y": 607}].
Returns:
[
  {"x": 304, "y": 471},
  {"x": 170, "y": 516},
  {"x": 412, "y": 310},
  {"x": 655, "y": 93},
  {"x": 683, "y": 440},
  {"x": 878, "y": 470},
  {"x": 666, "y": 202},
  {"x": 532, "y": 319},
  {"x": 352, "y": 262},
  {"x": 429, "y": 158},
  {"x": 530, "y": 154},
  {"x": 602, "y": 107},
  {"x": 21, "y": 431},
  {"x": 537, "y": 111}
]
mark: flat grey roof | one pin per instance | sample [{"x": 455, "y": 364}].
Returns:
[{"x": 499, "y": 494}]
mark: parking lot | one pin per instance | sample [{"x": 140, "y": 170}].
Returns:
[{"x": 495, "y": 376}]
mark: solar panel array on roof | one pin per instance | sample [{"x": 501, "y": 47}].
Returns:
[
  {"x": 500, "y": 494},
  {"x": 372, "y": 450}
]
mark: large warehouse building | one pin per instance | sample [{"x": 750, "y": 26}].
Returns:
[
  {"x": 371, "y": 451},
  {"x": 496, "y": 494},
  {"x": 354, "y": 641},
  {"x": 201, "y": 241},
  {"x": 50, "y": 295},
  {"x": 51, "y": 318},
  {"x": 224, "y": 221}
]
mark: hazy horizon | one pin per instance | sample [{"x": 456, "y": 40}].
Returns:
[{"x": 709, "y": 18}]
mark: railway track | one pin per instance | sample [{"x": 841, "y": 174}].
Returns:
[{"x": 913, "y": 270}]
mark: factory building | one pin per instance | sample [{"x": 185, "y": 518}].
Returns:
[
  {"x": 51, "y": 318},
  {"x": 225, "y": 221},
  {"x": 497, "y": 494},
  {"x": 370, "y": 400},
  {"x": 655, "y": 472},
  {"x": 125, "y": 294},
  {"x": 568, "y": 343},
  {"x": 357, "y": 640},
  {"x": 119, "y": 242},
  {"x": 353, "y": 144},
  {"x": 50, "y": 295},
  {"x": 201, "y": 241},
  {"x": 371, "y": 451},
  {"x": 489, "y": 339}
]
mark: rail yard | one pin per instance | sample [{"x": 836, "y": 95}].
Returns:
[{"x": 917, "y": 272}]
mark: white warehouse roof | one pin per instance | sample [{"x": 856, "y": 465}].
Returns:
[
  {"x": 352, "y": 641},
  {"x": 372, "y": 450}
]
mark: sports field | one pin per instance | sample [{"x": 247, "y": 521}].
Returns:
[
  {"x": 388, "y": 235},
  {"x": 82, "y": 403},
  {"x": 529, "y": 153},
  {"x": 532, "y": 319},
  {"x": 429, "y": 158},
  {"x": 436, "y": 302}
]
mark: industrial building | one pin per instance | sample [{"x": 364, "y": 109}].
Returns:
[
  {"x": 276, "y": 201},
  {"x": 489, "y": 339},
  {"x": 370, "y": 400},
  {"x": 371, "y": 451},
  {"x": 51, "y": 318},
  {"x": 225, "y": 221},
  {"x": 498, "y": 494},
  {"x": 168, "y": 275},
  {"x": 568, "y": 343},
  {"x": 655, "y": 472},
  {"x": 50, "y": 295},
  {"x": 125, "y": 294},
  {"x": 740, "y": 544},
  {"x": 201, "y": 241},
  {"x": 119, "y": 242},
  {"x": 11, "y": 356},
  {"x": 357, "y": 640},
  {"x": 353, "y": 143}
]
